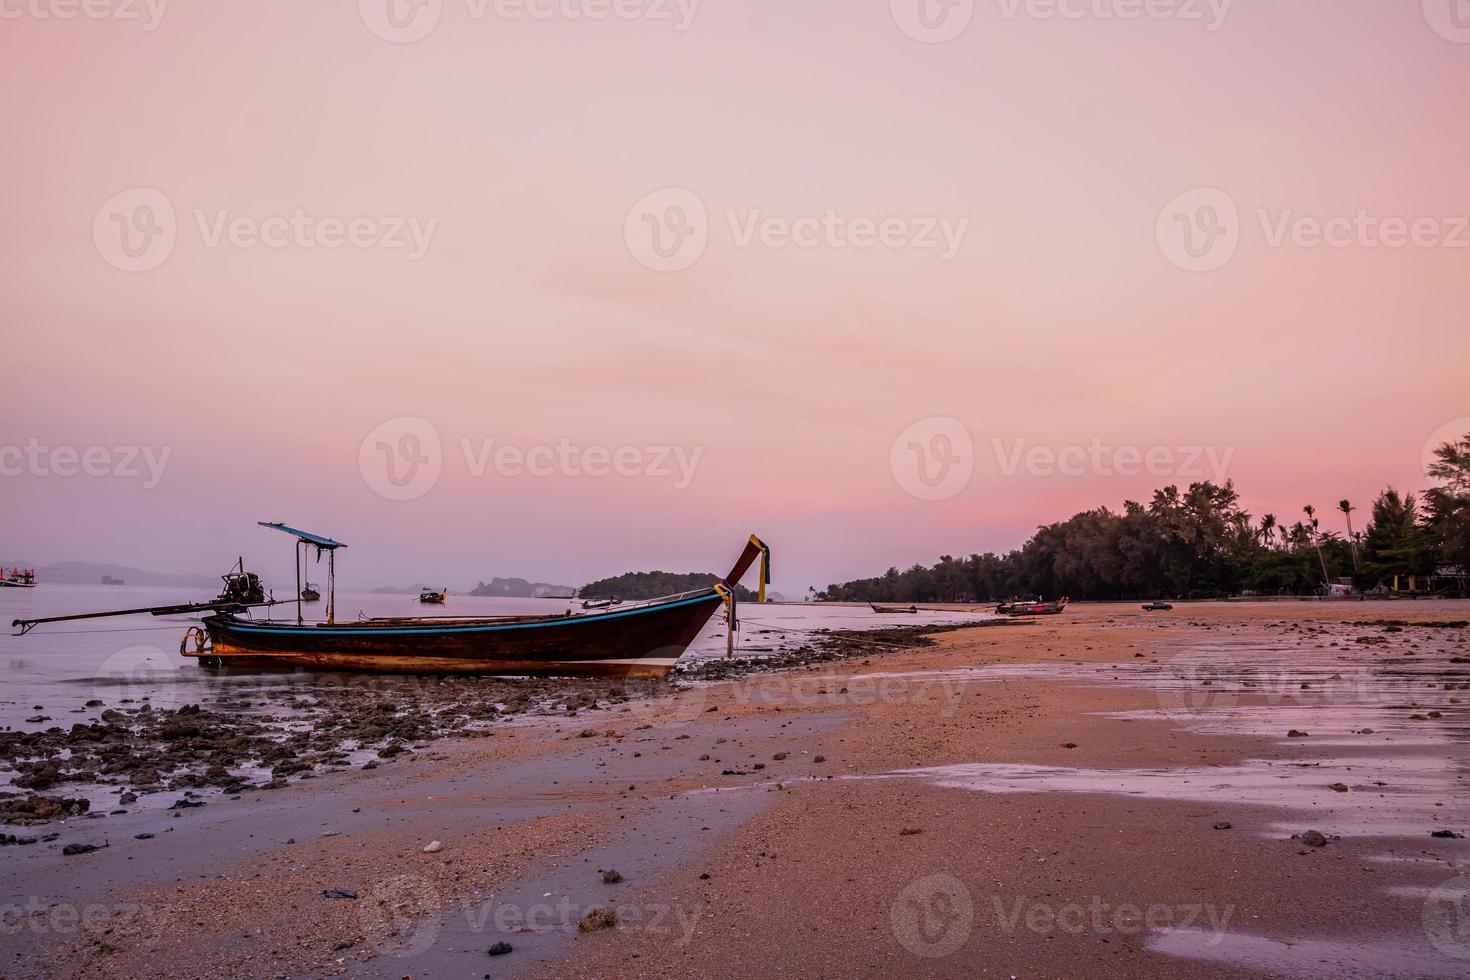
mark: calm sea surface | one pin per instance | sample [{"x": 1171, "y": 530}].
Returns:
[{"x": 53, "y": 671}]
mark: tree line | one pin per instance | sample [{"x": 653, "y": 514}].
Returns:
[
  {"x": 1200, "y": 543},
  {"x": 653, "y": 585}
]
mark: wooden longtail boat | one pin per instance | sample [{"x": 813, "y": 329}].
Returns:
[
  {"x": 437, "y": 598},
  {"x": 642, "y": 639},
  {"x": 634, "y": 640},
  {"x": 893, "y": 609}
]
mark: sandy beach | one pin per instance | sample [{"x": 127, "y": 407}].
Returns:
[{"x": 1109, "y": 790}]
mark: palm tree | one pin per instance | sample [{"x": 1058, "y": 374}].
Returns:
[
  {"x": 1268, "y": 529},
  {"x": 1311, "y": 513},
  {"x": 1347, "y": 511}
]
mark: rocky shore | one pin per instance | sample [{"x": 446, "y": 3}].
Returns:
[{"x": 304, "y": 726}]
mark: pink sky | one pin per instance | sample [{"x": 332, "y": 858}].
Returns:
[{"x": 1321, "y": 371}]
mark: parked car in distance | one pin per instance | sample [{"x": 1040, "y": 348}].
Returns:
[{"x": 1156, "y": 604}]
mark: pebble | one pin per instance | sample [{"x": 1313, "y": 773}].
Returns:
[{"x": 433, "y": 847}]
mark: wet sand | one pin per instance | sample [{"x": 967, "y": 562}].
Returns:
[{"x": 1027, "y": 800}]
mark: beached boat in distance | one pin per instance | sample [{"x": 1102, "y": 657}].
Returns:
[
  {"x": 600, "y": 603},
  {"x": 1021, "y": 607},
  {"x": 893, "y": 609},
  {"x": 19, "y": 578},
  {"x": 437, "y": 598}
]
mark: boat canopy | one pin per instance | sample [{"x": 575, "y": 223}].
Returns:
[{"x": 324, "y": 543}]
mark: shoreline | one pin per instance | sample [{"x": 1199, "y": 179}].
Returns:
[{"x": 812, "y": 864}]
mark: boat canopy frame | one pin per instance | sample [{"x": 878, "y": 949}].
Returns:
[{"x": 305, "y": 540}]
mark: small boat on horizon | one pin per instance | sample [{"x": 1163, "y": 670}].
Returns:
[
  {"x": 19, "y": 578},
  {"x": 601, "y": 603},
  {"x": 436, "y": 598},
  {"x": 309, "y": 593}
]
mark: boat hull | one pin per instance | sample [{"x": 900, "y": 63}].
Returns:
[{"x": 642, "y": 642}]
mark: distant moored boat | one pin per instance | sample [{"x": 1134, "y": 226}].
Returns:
[
  {"x": 19, "y": 578},
  {"x": 1018, "y": 607}
]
